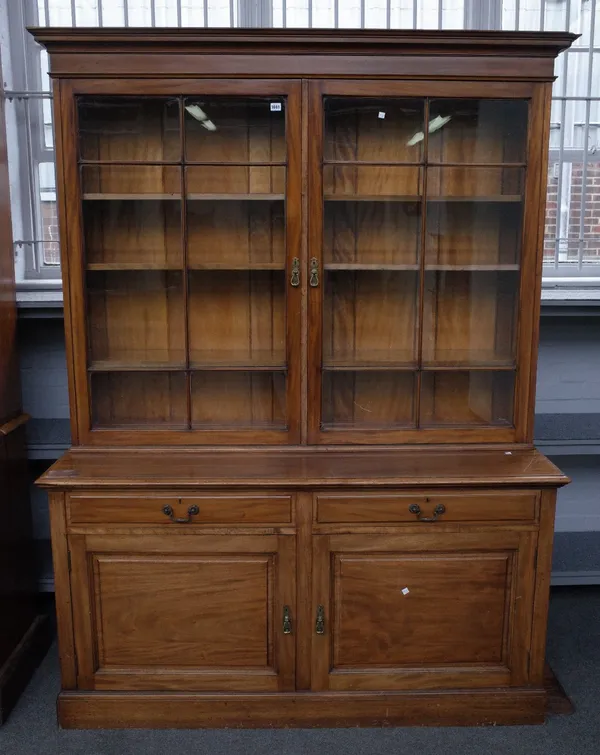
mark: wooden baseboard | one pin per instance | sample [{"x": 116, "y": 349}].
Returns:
[
  {"x": 158, "y": 710},
  {"x": 558, "y": 703},
  {"x": 23, "y": 661}
]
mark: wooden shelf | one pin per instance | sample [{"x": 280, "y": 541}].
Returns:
[
  {"x": 118, "y": 365},
  {"x": 372, "y": 198},
  {"x": 237, "y": 197},
  {"x": 494, "y": 198},
  {"x": 132, "y": 266},
  {"x": 370, "y": 266},
  {"x": 475, "y": 268},
  {"x": 231, "y": 266},
  {"x": 473, "y": 362},
  {"x": 348, "y": 365},
  {"x": 129, "y": 197}
]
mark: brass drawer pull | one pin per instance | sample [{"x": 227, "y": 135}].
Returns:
[
  {"x": 414, "y": 508},
  {"x": 287, "y": 620},
  {"x": 314, "y": 272},
  {"x": 320, "y": 622},
  {"x": 295, "y": 276},
  {"x": 192, "y": 511}
]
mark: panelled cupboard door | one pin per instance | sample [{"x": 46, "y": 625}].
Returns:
[
  {"x": 188, "y": 612},
  {"x": 184, "y": 235},
  {"x": 421, "y": 611},
  {"x": 417, "y": 258}
]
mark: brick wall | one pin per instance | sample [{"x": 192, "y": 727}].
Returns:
[
  {"x": 51, "y": 253},
  {"x": 569, "y": 250}
]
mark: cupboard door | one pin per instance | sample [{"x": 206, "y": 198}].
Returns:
[
  {"x": 190, "y": 238},
  {"x": 421, "y": 611},
  {"x": 184, "y": 612},
  {"x": 417, "y": 217}
]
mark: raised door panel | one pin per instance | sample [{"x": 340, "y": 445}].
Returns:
[
  {"x": 426, "y": 612},
  {"x": 184, "y": 613}
]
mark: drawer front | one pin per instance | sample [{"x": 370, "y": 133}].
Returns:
[
  {"x": 409, "y": 508},
  {"x": 173, "y": 510}
]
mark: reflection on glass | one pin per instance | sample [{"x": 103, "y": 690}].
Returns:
[
  {"x": 367, "y": 400},
  {"x": 373, "y": 130},
  {"x": 227, "y": 130},
  {"x": 477, "y": 131}
]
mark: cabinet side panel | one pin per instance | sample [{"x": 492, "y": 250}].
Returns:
[
  {"x": 62, "y": 591},
  {"x": 542, "y": 587}
]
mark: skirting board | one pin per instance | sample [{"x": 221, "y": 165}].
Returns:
[{"x": 181, "y": 710}]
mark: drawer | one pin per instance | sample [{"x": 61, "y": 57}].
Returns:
[
  {"x": 470, "y": 506},
  {"x": 205, "y": 509}
]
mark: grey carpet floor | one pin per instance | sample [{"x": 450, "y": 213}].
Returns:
[{"x": 573, "y": 651}]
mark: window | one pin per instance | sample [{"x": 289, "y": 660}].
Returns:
[{"x": 572, "y": 238}]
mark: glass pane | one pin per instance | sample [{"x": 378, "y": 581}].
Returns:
[
  {"x": 467, "y": 398},
  {"x": 240, "y": 182},
  {"x": 136, "y": 319},
  {"x": 130, "y": 182},
  {"x": 237, "y": 400},
  {"x": 370, "y": 318},
  {"x": 236, "y": 234},
  {"x": 119, "y": 129},
  {"x": 367, "y": 399},
  {"x": 226, "y": 130},
  {"x": 473, "y": 235},
  {"x": 469, "y": 318},
  {"x": 373, "y": 129},
  {"x": 237, "y": 318},
  {"x": 477, "y": 131},
  {"x": 365, "y": 183},
  {"x": 372, "y": 235},
  {"x": 132, "y": 234},
  {"x": 156, "y": 400},
  {"x": 463, "y": 183}
]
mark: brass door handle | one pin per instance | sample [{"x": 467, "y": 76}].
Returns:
[
  {"x": 320, "y": 621},
  {"x": 314, "y": 272},
  {"x": 192, "y": 511},
  {"x": 295, "y": 276},
  {"x": 287, "y": 620},
  {"x": 414, "y": 508}
]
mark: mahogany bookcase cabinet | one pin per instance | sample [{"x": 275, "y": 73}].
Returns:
[{"x": 302, "y": 287}]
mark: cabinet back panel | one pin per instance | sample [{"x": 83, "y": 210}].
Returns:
[
  {"x": 156, "y": 400},
  {"x": 235, "y": 233},
  {"x": 146, "y": 233},
  {"x": 239, "y": 399},
  {"x": 130, "y": 182}
]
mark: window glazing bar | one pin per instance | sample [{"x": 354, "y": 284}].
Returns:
[
  {"x": 561, "y": 155},
  {"x": 179, "y": 13},
  {"x": 415, "y": 14},
  {"x": 205, "y": 8},
  {"x": 47, "y": 12},
  {"x": 440, "y": 14},
  {"x": 586, "y": 138}
]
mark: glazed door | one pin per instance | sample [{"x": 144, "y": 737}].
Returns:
[
  {"x": 427, "y": 611},
  {"x": 417, "y": 216},
  {"x": 189, "y": 239},
  {"x": 184, "y": 612}
]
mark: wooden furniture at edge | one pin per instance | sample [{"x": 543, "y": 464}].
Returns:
[
  {"x": 302, "y": 288},
  {"x": 24, "y": 632}
]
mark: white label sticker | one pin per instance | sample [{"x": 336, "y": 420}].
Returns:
[
  {"x": 276, "y": 107},
  {"x": 405, "y": 591},
  {"x": 381, "y": 114}
]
